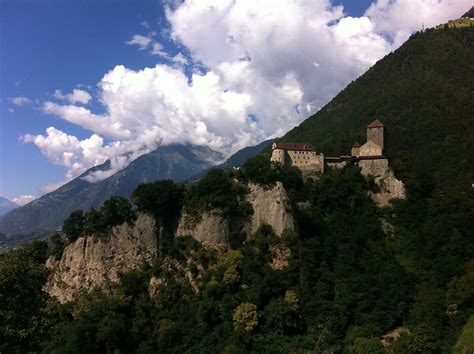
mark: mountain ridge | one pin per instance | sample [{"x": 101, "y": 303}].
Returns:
[
  {"x": 424, "y": 101},
  {"x": 177, "y": 162},
  {"x": 6, "y": 206}
]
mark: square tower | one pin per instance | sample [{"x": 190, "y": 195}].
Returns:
[{"x": 375, "y": 132}]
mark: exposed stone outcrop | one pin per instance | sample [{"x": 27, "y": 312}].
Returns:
[
  {"x": 210, "y": 228},
  {"x": 270, "y": 206},
  {"x": 88, "y": 263},
  {"x": 280, "y": 256},
  {"x": 389, "y": 186},
  {"x": 180, "y": 271}
]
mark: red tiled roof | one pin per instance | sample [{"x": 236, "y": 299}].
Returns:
[
  {"x": 375, "y": 124},
  {"x": 294, "y": 146}
]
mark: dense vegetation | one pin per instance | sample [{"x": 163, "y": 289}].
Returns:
[
  {"x": 344, "y": 283},
  {"x": 423, "y": 94},
  {"x": 352, "y": 271}
]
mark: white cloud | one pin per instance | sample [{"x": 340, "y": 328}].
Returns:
[
  {"x": 141, "y": 41},
  {"x": 67, "y": 150},
  {"x": 400, "y": 18},
  {"x": 20, "y": 100},
  {"x": 11, "y": 110},
  {"x": 180, "y": 59},
  {"x": 23, "y": 199},
  {"x": 76, "y": 96},
  {"x": 259, "y": 70}
]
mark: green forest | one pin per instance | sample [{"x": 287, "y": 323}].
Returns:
[
  {"x": 346, "y": 282},
  {"x": 353, "y": 271},
  {"x": 423, "y": 94}
]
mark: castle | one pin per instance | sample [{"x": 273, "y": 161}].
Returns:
[{"x": 305, "y": 157}]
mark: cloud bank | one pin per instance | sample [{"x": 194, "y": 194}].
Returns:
[{"x": 245, "y": 71}]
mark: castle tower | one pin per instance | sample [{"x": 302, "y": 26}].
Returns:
[
  {"x": 355, "y": 149},
  {"x": 375, "y": 132}
]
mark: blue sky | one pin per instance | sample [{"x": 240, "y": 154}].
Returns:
[{"x": 65, "y": 45}]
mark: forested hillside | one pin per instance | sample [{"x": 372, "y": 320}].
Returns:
[
  {"x": 345, "y": 276},
  {"x": 350, "y": 274},
  {"x": 423, "y": 93}
]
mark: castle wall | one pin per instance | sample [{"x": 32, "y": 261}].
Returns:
[
  {"x": 355, "y": 151},
  {"x": 279, "y": 156},
  {"x": 306, "y": 160},
  {"x": 376, "y": 135},
  {"x": 370, "y": 148}
]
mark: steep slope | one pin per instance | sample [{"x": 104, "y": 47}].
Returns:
[
  {"x": 176, "y": 162},
  {"x": 237, "y": 159},
  {"x": 423, "y": 93},
  {"x": 470, "y": 13},
  {"x": 6, "y": 206}
]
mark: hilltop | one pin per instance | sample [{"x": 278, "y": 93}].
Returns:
[{"x": 423, "y": 92}]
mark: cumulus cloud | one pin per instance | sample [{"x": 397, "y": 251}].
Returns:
[
  {"x": 400, "y": 18},
  {"x": 23, "y": 199},
  {"x": 20, "y": 100},
  {"x": 76, "y": 96},
  {"x": 67, "y": 150},
  {"x": 257, "y": 71}
]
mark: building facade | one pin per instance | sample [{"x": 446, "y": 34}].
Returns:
[
  {"x": 375, "y": 141},
  {"x": 299, "y": 155},
  {"x": 305, "y": 157}
]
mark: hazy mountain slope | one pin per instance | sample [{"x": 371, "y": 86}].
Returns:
[
  {"x": 470, "y": 13},
  {"x": 237, "y": 159},
  {"x": 424, "y": 94},
  {"x": 6, "y": 206},
  {"x": 177, "y": 162}
]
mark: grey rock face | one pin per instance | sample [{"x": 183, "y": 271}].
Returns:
[
  {"x": 210, "y": 228},
  {"x": 270, "y": 206},
  {"x": 88, "y": 263},
  {"x": 390, "y": 187}
]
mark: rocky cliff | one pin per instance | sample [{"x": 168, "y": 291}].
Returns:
[
  {"x": 270, "y": 206},
  {"x": 209, "y": 228},
  {"x": 89, "y": 263},
  {"x": 389, "y": 186}
]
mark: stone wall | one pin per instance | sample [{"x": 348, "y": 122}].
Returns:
[
  {"x": 376, "y": 135},
  {"x": 306, "y": 160},
  {"x": 278, "y": 155},
  {"x": 370, "y": 149}
]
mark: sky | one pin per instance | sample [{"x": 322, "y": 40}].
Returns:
[{"x": 85, "y": 81}]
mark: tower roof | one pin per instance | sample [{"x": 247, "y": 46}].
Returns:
[
  {"x": 375, "y": 124},
  {"x": 356, "y": 145}
]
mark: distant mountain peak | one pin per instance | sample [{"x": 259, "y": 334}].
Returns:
[
  {"x": 6, "y": 205},
  {"x": 177, "y": 162}
]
